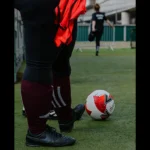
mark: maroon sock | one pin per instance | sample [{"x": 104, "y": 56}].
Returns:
[
  {"x": 37, "y": 102},
  {"x": 62, "y": 98}
]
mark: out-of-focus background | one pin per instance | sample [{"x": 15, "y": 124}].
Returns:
[{"x": 122, "y": 13}]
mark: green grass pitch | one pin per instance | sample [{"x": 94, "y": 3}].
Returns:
[{"x": 113, "y": 71}]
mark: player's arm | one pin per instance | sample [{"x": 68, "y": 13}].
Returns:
[
  {"x": 108, "y": 22},
  {"x": 93, "y": 25},
  {"x": 93, "y": 22}
]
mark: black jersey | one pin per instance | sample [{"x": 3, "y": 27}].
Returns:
[{"x": 99, "y": 17}]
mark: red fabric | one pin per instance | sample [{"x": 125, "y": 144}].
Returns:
[{"x": 69, "y": 11}]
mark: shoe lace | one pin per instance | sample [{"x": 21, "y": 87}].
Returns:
[{"x": 53, "y": 132}]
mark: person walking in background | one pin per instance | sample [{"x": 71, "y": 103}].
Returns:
[{"x": 97, "y": 25}]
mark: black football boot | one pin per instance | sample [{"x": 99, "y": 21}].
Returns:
[
  {"x": 67, "y": 126},
  {"x": 49, "y": 138}
]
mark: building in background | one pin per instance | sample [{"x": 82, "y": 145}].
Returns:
[{"x": 121, "y": 12}]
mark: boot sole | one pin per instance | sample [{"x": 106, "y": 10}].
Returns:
[{"x": 35, "y": 144}]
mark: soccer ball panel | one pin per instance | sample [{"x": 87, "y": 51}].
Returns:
[
  {"x": 98, "y": 93},
  {"x": 99, "y": 104},
  {"x": 110, "y": 106}
]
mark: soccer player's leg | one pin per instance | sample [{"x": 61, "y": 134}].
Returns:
[
  {"x": 36, "y": 90},
  {"x": 62, "y": 89},
  {"x": 98, "y": 38},
  {"x": 62, "y": 95}
]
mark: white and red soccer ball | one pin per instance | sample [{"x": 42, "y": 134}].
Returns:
[{"x": 99, "y": 105}]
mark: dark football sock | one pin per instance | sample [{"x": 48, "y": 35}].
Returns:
[
  {"x": 62, "y": 98},
  {"x": 37, "y": 102}
]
